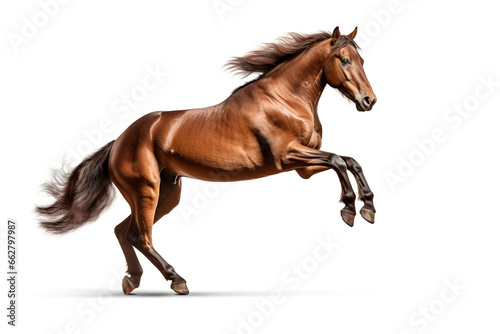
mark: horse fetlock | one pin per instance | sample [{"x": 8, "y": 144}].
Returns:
[
  {"x": 367, "y": 196},
  {"x": 136, "y": 273},
  {"x": 172, "y": 275},
  {"x": 348, "y": 198}
]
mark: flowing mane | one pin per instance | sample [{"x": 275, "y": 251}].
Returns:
[{"x": 270, "y": 55}]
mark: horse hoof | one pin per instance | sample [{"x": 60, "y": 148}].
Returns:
[
  {"x": 128, "y": 286},
  {"x": 368, "y": 215},
  {"x": 347, "y": 217},
  {"x": 180, "y": 288}
]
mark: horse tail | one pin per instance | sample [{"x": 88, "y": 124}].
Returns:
[{"x": 81, "y": 195}]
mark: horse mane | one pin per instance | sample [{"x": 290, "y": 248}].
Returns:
[{"x": 270, "y": 55}]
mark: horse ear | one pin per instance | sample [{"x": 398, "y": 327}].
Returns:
[
  {"x": 335, "y": 35},
  {"x": 353, "y": 33}
]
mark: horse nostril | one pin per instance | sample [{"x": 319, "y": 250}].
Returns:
[{"x": 367, "y": 101}]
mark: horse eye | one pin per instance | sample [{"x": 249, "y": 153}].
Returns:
[{"x": 345, "y": 61}]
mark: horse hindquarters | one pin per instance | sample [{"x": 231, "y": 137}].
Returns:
[{"x": 150, "y": 195}]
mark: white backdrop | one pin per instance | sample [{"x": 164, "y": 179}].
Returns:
[{"x": 271, "y": 255}]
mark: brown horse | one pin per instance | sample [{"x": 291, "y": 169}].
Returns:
[{"x": 267, "y": 126}]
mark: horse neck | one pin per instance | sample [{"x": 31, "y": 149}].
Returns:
[{"x": 303, "y": 75}]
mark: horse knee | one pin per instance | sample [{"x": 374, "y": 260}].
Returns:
[
  {"x": 338, "y": 162},
  {"x": 352, "y": 164}
]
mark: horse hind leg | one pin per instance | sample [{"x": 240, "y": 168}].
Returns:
[
  {"x": 132, "y": 280},
  {"x": 150, "y": 201},
  {"x": 169, "y": 198},
  {"x": 170, "y": 195}
]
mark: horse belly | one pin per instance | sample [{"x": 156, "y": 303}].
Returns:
[
  {"x": 219, "y": 164},
  {"x": 201, "y": 153}
]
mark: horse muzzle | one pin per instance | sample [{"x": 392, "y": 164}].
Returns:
[{"x": 365, "y": 102}]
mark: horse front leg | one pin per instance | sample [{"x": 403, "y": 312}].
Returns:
[
  {"x": 300, "y": 157},
  {"x": 365, "y": 193}
]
